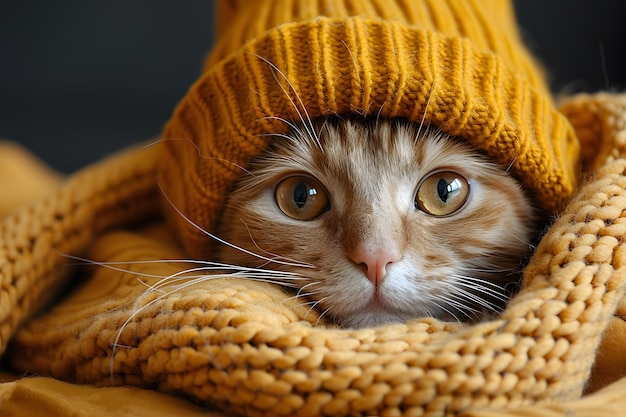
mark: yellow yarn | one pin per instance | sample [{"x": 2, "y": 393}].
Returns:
[
  {"x": 238, "y": 344},
  {"x": 457, "y": 64},
  {"x": 241, "y": 346}
]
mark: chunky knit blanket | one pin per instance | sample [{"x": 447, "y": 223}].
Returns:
[{"x": 136, "y": 316}]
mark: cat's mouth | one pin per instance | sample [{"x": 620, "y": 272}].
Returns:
[
  {"x": 377, "y": 303},
  {"x": 374, "y": 313}
]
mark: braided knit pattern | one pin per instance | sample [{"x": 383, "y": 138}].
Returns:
[
  {"x": 118, "y": 191},
  {"x": 244, "y": 347}
]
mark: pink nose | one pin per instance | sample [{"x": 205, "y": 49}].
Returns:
[{"x": 376, "y": 261}]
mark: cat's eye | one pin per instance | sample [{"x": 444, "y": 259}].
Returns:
[
  {"x": 442, "y": 193},
  {"x": 301, "y": 197}
]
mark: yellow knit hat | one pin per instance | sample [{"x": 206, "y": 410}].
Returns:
[{"x": 456, "y": 64}]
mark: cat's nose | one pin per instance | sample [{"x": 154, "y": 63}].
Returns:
[{"x": 376, "y": 261}]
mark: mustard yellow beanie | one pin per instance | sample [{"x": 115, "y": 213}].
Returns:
[{"x": 456, "y": 64}]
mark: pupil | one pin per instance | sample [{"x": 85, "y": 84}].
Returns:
[
  {"x": 300, "y": 194},
  {"x": 444, "y": 189}
]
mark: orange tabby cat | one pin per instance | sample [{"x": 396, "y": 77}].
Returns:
[{"x": 378, "y": 221}]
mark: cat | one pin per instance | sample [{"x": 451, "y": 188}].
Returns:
[{"x": 383, "y": 221}]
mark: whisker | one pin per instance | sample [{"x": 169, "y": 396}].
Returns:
[
  {"x": 207, "y": 266},
  {"x": 458, "y": 298},
  {"x": 291, "y": 124},
  {"x": 354, "y": 61},
  {"x": 508, "y": 168},
  {"x": 461, "y": 293},
  {"x": 317, "y": 322},
  {"x": 304, "y": 303},
  {"x": 274, "y": 255},
  {"x": 321, "y": 300},
  {"x": 303, "y": 296},
  {"x": 307, "y": 123},
  {"x": 460, "y": 283},
  {"x": 493, "y": 290},
  {"x": 488, "y": 271},
  {"x": 111, "y": 265},
  {"x": 466, "y": 296},
  {"x": 495, "y": 285},
  {"x": 306, "y": 286},
  {"x": 300, "y": 294},
  {"x": 277, "y": 135},
  {"x": 222, "y": 241},
  {"x": 200, "y": 154},
  {"x": 419, "y": 129},
  {"x": 265, "y": 276},
  {"x": 458, "y": 306}
]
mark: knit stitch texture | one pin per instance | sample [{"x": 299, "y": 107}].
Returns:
[
  {"x": 237, "y": 345},
  {"x": 133, "y": 318}
]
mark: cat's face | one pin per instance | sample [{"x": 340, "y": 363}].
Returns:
[{"x": 381, "y": 225}]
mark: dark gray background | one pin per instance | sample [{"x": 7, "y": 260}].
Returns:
[{"x": 81, "y": 79}]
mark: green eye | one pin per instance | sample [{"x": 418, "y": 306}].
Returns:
[
  {"x": 301, "y": 198},
  {"x": 442, "y": 193}
]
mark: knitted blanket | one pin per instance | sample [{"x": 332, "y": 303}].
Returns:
[{"x": 237, "y": 345}]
